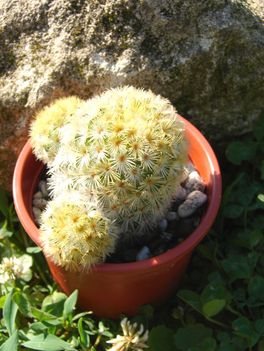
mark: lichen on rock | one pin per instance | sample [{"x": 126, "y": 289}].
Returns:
[{"x": 205, "y": 56}]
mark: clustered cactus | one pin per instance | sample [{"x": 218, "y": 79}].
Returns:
[
  {"x": 45, "y": 129},
  {"x": 76, "y": 233},
  {"x": 123, "y": 153}
]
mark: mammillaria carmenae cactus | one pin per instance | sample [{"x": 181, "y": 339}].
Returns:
[
  {"x": 75, "y": 235},
  {"x": 44, "y": 131},
  {"x": 124, "y": 150},
  {"x": 128, "y": 153}
]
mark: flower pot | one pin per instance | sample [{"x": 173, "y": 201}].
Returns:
[{"x": 110, "y": 289}]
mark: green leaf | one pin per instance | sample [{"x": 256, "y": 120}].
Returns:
[
  {"x": 22, "y": 302},
  {"x": 243, "y": 327},
  {"x": 215, "y": 290},
  {"x": 226, "y": 343},
  {"x": 214, "y": 296},
  {"x": 9, "y": 313},
  {"x": 3, "y": 203},
  {"x": 191, "y": 298},
  {"x": 54, "y": 303},
  {"x": 238, "y": 151},
  {"x": 248, "y": 238},
  {"x": 259, "y": 326},
  {"x": 262, "y": 170},
  {"x": 33, "y": 250},
  {"x": 11, "y": 344},
  {"x": 159, "y": 337},
  {"x": 261, "y": 345},
  {"x": 256, "y": 288},
  {"x": 69, "y": 304},
  {"x": 237, "y": 267},
  {"x": 261, "y": 197},
  {"x": 233, "y": 211},
  {"x": 228, "y": 192},
  {"x": 258, "y": 221},
  {"x": 84, "y": 335},
  {"x": 4, "y": 233},
  {"x": 192, "y": 336},
  {"x": 2, "y": 301},
  {"x": 43, "y": 316},
  {"x": 258, "y": 129},
  {"x": 213, "y": 307},
  {"x": 47, "y": 343},
  {"x": 246, "y": 196},
  {"x": 207, "y": 344},
  {"x": 79, "y": 315},
  {"x": 38, "y": 327}
]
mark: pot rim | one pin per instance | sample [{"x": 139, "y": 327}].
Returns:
[{"x": 181, "y": 249}]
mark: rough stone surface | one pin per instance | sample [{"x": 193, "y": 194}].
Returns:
[
  {"x": 37, "y": 213},
  {"x": 194, "y": 182},
  {"x": 163, "y": 224},
  {"x": 180, "y": 195},
  {"x": 40, "y": 203},
  {"x": 193, "y": 201},
  {"x": 143, "y": 254},
  {"x": 172, "y": 215},
  {"x": 205, "y": 56}
]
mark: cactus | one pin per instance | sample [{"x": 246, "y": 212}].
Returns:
[
  {"x": 127, "y": 153},
  {"x": 118, "y": 159},
  {"x": 45, "y": 129},
  {"x": 75, "y": 236}
]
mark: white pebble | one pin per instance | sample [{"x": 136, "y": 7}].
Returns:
[
  {"x": 143, "y": 254},
  {"x": 187, "y": 170},
  {"x": 180, "y": 194},
  {"x": 194, "y": 182},
  {"x": 190, "y": 167},
  {"x": 163, "y": 224},
  {"x": 171, "y": 216},
  {"x": 40, "y": 203},
  {"x": 43, "y": 188},
  {"x": 38, "y": 195},
  {"x": 193, "y": 201}
]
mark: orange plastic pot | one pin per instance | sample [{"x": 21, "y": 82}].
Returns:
[{"x": 110, "y": 289}]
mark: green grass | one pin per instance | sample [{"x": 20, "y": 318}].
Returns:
[{"x": 220, "y": 304}]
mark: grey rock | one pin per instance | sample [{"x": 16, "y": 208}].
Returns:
[
  {"x": 180, "y": 195},
  {"x": 43, "y": 188},
  {"x": 143, "y": 254},
  {"x": 163, "y": 224},
  {"x": 190, "y": 167},
  {"x": 36, "y": 213},
  {"x": 172, "y": 215},
  {"x": 194, "y": 182},
  {"x": 193, "y": 201},
  {"x": 187, "y": 170},
  {"x": 38, "y": 195},
  {"x": 40, "y": 203},
  {"x": 188, "y": 51}
]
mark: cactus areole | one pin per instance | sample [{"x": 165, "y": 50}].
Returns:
[{"x": 115, "y": 162}]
